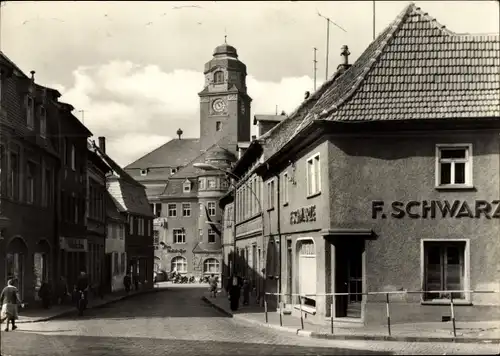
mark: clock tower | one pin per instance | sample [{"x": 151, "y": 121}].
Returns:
[{"x": 224, "y": 102}]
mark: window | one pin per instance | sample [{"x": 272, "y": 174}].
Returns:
[
  {"x": 47, "y": 191},
  {"x": 156, "y": 239},
  {"x": 156, "y": 209},
  {"x": 219, "y": 77},
  {"x": 131, "y": 224},
  {"x": 73, "y": 158},
  {"x": 313, "y": 176},
  {"x": 454, "y": 165},
  {"x": 224, "y": 184},
  {"x": 285, "y": 188},
  {"x": 211, "y": 208},
  {"x": 115, "y": 263},
  {"x": 172, "y": 210},
  {"x": 144, "y": 172},
  {"x": 43, "y": 122},
  {"x": 444, "y": 268},
  {"x": 30, "y": 182},
  {"x": 179, "y": 236},
  {"x": 211, "y": 265},
  {"x": 30, "y": 112},
  {"x": 173, "y": 170},
  {"x": 121, "y": 231},
  {"x": 270, "y": 194},
  {"x": 218, "y": 126},
  {"x": 186, "y": 209},
  {"x": 179, "y": 264},
  {"x": 14, "y": 176},
  {"x": 211, "y": 183},
  {"x": 75, "y": 216},
  {"x": 186, "y": 187},
  {"x": 140, "y": 226},
  {"x": 229, "y": 215},
  {"x": 211, "y": 236},
  {"x": 124, "y": 262}
]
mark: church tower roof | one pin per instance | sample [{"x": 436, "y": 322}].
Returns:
[{"x": 225, "y": 50}]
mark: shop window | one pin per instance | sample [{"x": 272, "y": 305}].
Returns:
[
  {"x": 454, "y": 165},
  {"x": 172, "y": 210},
  {"x": 313, "y": 175},
  {"x": 444, "y": 269},
  {"x": 211, "y": 265},
  {"x": 179, "y": 264},
  {"x": 211, "y": 208},
  {"x": 186, "y": 210},
  {"x": 211, "y": 236},
  {"x": 179, "y": 236}
]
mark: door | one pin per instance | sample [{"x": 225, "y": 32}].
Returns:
[
  {"x": 108, "y": 272},
  {"x": 307, "y": 271},
  {"x": 289, "y": 273},
  {"x": 348, "y": 278}
]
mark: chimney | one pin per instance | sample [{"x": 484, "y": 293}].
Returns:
[
  {"x": 254, "y": 137},
  {"x": 102, "y": 144},
  {"x": 32, "y": 76},
  {"x": 306, "y": 95},
  {"x": 345, "y": 59},
  {"x": 179, "y": 133}
]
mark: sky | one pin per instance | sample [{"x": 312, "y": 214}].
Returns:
[{"x": 136, "y": 68}]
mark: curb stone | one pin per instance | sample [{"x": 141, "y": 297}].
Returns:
[
  {"x": 72, "y": 311},
  {"x": 316, "y": 335}
]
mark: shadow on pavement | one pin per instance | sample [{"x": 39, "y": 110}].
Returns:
[{"x": 23, "y": 344}]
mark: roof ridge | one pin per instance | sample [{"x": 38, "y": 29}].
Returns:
[
  {"x": 395, "y": 25},
  {"x": 433, "y": 21}
]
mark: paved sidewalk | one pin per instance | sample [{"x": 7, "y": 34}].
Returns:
[
  {"x": 38, "y": 314},
  {"x": 467, "y": 332}
]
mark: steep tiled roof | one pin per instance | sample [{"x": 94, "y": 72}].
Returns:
[
  {"x": 272, "y": 118},
  {"x": 415, "y": 69},
  {"x": 112, "y": 209},
  {"x": 154, "y": 190},
  {"x": 175, "y": 153},
  {"x": 129, "y": 197}
]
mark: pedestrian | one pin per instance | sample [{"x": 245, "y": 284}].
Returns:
[
  {"x": 9, "y": 298},
  {"x": 44, "y": 293},
  {"x": 135, "y": 278},
  {"x": 127, "y": 282},
  {"x": 213, "y": 286},
  {"x": 61, "y": 290},
  {"x": 234, "y": 293},
  {"x": 246, "y": 292}
]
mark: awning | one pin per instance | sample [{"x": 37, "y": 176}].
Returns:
[{"x": 362, "y": 233}]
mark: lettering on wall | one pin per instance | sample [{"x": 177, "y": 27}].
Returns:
[
  {"x": 303, "y": 215},
  {"x": 174, "y": 250},
  {"x": 435, "y": 209}
]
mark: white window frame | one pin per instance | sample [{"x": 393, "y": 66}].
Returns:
[
  {"x": 173, "y": 170},
  {"x": 186, "y": 187},
  {"x": 211, "y": 262},
  {"x": 73, "y": 157},
  {"x": 202, "y": 183},
  {"x": 468, "y": 165},
  {"x": 286, "y": 187},
  {"x": 186, "y": 207},
  {"x": 271, "y": 194},
  {"x": 212, "y": 208},
  {"x": 30, "y": 112},
  {"x": 176, "y": 233},
  {"x": 184, "y": 264},
  {"x": 172, "y": 213},
  {"x": 43, "y": 122},
  {"x": 211, "y": 232},
  {"x": 210, "y": 180},
  {"x": 467, "y": 299},
  {"x": 313, "y": 182}
]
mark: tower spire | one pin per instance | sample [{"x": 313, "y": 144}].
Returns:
[{"x": 225, "y": 35}]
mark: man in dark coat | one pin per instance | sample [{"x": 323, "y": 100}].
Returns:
[{"x": 234, "y": 293}]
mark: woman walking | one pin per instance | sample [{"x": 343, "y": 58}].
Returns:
[{"x": 9, "y": 300}]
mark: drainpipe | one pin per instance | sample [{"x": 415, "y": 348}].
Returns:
[{"x": 278, "y": 224}]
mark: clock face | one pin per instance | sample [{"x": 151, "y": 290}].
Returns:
[{"x": 219, "y": 105}]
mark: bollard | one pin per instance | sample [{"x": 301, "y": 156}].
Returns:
[
  {"x": 453, "y": 315},
  {"x": 388, "y": 313},
  {"x": 301, "y": 316},
  {"x": 331, "y": 317},
  {"x": 281, "y": 313},
  {"x": 265, "y": 307}
]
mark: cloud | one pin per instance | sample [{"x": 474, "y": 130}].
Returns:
[{"x": 140, "y": 107}]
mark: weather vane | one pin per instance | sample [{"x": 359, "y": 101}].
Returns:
[{"x": 225, "y": 35}]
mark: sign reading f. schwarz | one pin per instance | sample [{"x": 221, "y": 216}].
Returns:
[{"x": 432, "y": 209}]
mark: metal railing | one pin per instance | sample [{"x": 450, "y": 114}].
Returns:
[{"x": 448, "y": 293}]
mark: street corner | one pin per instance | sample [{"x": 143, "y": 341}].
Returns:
[{"x": 217, "y": 307}]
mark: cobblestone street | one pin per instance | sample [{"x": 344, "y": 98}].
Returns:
[{"x": 177, "y": 322}]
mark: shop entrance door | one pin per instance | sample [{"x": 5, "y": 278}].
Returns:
[{"x": 349, "y": 278}]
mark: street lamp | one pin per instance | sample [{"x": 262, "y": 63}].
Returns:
[{"x": 211, "y": 167}]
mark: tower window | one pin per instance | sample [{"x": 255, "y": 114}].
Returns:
[
  {"x": 218, "y": 126},
  {"x": 219, "y": 77}
]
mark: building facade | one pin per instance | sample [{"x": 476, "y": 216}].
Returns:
[
  {"x": 184, "y": 198},
  {"x": 387, "y": 179},
  {"x": 29, "y": 162},
  {"x": 96, "y": 217},
  {"x": 116, "y": 255},
  {"x": 131, "y": 199}
]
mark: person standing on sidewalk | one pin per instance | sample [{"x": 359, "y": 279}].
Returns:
[
  {"x": 9, "y": 298},
  {"x": 246, "y": 292},
  {"x": 234, "y": 293},
  {"x": 127, "y": 282},
  {"x": 45, "y": 294}
]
